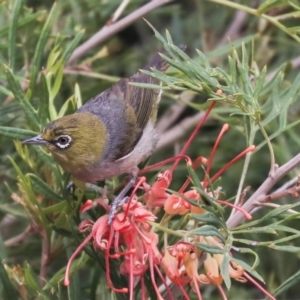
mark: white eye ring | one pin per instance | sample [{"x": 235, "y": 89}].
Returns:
[{"x": 63, "y": 141}]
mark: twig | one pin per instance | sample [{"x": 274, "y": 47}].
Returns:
[
  {"x": 119, "y": 10},
  {"x": 171, "y": 115},
  {"x": 274, "y": 205},
  {"x": 289, "y": 192},
  {"x": 234, "y": 28},
  {"x": 295, "y": 64},
  {"x": 243, "y": 195},
  {"x": 178, "y": 131},
  {"x": 14, "y": 241},
  {"x": 71, "y": 71},
  {"x": 44, "y": 258},
  {"x": 287, "y": 184},
  {"x": 251, "y": 205},
  {"x": 110, "y": 29}
]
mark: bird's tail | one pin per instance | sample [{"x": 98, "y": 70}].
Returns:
[{"x": 158, "y": 63}]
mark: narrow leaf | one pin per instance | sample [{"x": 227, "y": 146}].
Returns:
[
  {"x": 247, "y": 268},
  {"x": 37, "y": 59},
  {"x": 16, "y": 133},
  {"x": 291, "y": 281},
  {"x": 44, "y": 100},
  {"x": 71, "y": 47},
  {"x": 13, "y": 33},
  {"x": 30, "y": 112},
  {"x": 208, "y": 218},
  {"x": 41, "y": 187},
  {"x": 8, "y": 289},
  {"x": 209, "y": 248},
  {"x": 207, "y": 230},
  {"x": 224, "y": 268}
]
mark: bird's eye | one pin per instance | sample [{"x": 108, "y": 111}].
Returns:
[{"x": 63, "y": 141}]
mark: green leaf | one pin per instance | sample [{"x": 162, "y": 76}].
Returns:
[
  {"x": 8, "y": 289},
  {"x": 268, "y": 5},
  {"x": 3, "y": 254},
  {"x": 48, "y": 160},
  {"x": 294, "y": 30},
  {"x": 29, "y": 18},
  {"x": 224, "y": 269},
  {"x": 209, "y": 248},
  {"x": 41, "y": 187},
  {"x": 276, "y": 212},
  {"x": 14, "y": 210},
  {"x": 286, "y": 285},
  {"x": 5, "y": 91},
  {"x": 265, "y": 229},
  {"x": 44, "y": 101},
  {"x": 69, "y": 104},
  {"x": 71, "y": 47},
  {"x": 296, "y": 7},
  {"x": 287, "y": 248},
  {"x": 219, "y": 51},
  {"x": 30, "y": 200},
  {"x": 38, "y": 53},
  {"x": 208, "y": 218},
  {"x": 260, "y": 81},
  {"x": 13, "y": 33},
  {"x": 207, "y": 230},
  {"x": 30, "y": 112},
  {"x": 77, "y": 95},
  {"x": 57, "y": 207},
  {"x": 31, "y": 279},
  {"x": 250, "y": 251},
  {"x": 247, "y": 268},
  {"x": 195, "y": 180},
  {"x": 232, "y": 67},
  {"x": 168, "y": 37},
  {"x": 16, "y": 133}
]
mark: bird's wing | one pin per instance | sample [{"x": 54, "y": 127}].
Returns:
[
  {"x": 126, "y": 109},
  {"x": 144, "y": 101}
]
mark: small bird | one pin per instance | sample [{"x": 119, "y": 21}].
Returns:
[{"x": 110, "y": 134}]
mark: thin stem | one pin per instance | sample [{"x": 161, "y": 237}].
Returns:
[
  {"x": 119, "y": 10},
  {"x": 44, "y": 259},
  {"x": 252, "y": 204},
  {"x": 272, "y": 156},
  {"x": 212, "y": 154},
  {"x": 258, "y": 286},
  {"x": 221, "y": 171},
  {"x": 255, "y": 12},
  {"x": 110, "y": 29},
  {"x": 193, "y": 135},
  {"x": 245, "y": 166}
]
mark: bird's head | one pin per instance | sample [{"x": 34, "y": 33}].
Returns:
[{"x": 76, "y": 141}]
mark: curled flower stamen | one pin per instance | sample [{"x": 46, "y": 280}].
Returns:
[
  {"x": 245, "y": 213},
  {"x": 211, "y": 157},
  {"x": 194, "y": 133},
  {"x": 218, "y": 174}
]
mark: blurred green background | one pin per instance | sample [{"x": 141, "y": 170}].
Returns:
[{"x": 212, "y": 28}]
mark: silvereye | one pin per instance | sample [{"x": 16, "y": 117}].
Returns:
[{"x": 110, "y": 134}]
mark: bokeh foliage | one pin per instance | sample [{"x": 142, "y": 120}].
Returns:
[{"x": 37, "y": 39}]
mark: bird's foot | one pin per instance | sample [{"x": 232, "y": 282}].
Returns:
[
  {"x": 120, "y": 200},
  {"x": 114, "y": 206}
]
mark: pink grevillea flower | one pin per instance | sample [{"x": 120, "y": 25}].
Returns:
[
  {"x": 130, "y": 232},
  {"x": 180, "y": 264},
  {"x": 156, "y": 194},
  {"x": 176, "y": 205}
]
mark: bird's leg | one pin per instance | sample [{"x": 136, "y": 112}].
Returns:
[
  {"x": 94, "y": 188},
  {"x": 71, "y": 186},
  {"x": 121, "y": 199}
]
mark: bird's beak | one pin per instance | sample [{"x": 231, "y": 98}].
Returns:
[{"x": 36, "y": 140}]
